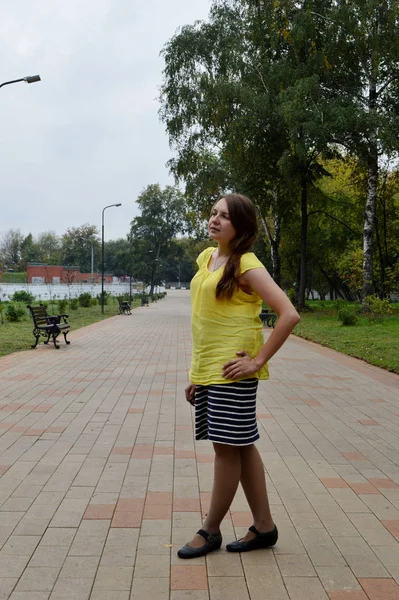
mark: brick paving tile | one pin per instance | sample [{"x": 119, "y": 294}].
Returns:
[
  {"x": 99, "y": 511},
  {"x": 348, "y": 595},
  {"x": 334, "y": 482},
  {"x": 384, "y": 484},
  {"x": 380, "y": 589},
  {"x": 392, "y": 526},
  {"x": 102, "y": 479},
  {"x": 186, "y": 504},
  {"x": 188, "y": 578},
  {"x": 162, "y": 498}
]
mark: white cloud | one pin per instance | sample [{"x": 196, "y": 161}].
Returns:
[{"x": 89, "y": 133}]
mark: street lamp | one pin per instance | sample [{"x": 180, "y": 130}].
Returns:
[
  {"x": 29, "y": 79},
  {"x": 130, "y": 240},
  {"x": 102, "y": 254}
]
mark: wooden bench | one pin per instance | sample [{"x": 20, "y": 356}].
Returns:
[
  {"x": 48, "y": 325},
  {"x": 268, "y": 318},
  {"x": 125, "y": 307},
  {"x": 144, "y": 300}
]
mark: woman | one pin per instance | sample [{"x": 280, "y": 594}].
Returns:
[{"x": 229, "y": 357}]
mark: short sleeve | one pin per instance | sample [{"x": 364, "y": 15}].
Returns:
[
  {"x": 202, "y": 259},
  {"x": 250, "y": 261}
]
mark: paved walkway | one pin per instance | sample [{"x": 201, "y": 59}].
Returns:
[{"x": 102, "y": 480}]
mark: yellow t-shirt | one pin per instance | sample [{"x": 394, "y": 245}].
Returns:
[{"x": 220, "y": 328}]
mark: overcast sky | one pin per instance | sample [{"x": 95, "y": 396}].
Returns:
[{"x": 88, "y": 134}]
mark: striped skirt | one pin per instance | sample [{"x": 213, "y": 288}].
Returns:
[{"x": 226, "y": 413}]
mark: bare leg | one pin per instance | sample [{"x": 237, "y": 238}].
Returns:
[
  {"x": 254, "y": 485},
  {"x": 227, "y": 478}
]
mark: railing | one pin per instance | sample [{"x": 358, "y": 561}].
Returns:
[{"x": 43, "y": 291}]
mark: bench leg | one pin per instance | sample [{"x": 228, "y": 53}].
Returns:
[
  {"x": 66, "y": 341},
  {"x": 55, "y": 335},
  {"x": 37, "y": 335}
]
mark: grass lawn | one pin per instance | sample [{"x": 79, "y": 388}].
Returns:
[
  {"x": 18, "y": 336},
  {"x": 376, "y": 342}
]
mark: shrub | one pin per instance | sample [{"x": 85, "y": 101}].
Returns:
[
  {"x": 347, "y": 316},
  {"x": 377, "y": 307},
  {"x": 107, "y": 295},
  {"x": 339, "y": 303},
  {"x": 22, "y": 296},
  {"x": 62, "y": 305},
  {"x": 291, "y": 294},
  {"x": 85, "y": 300},
  {"x": 74, "y": 304},
  {"x": 14, "y": 312}
]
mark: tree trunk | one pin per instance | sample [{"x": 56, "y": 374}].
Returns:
[
  {"x": 275, "y": 254},
  {"x": 304, "y": 234},
  {"x": 381, "y": 290},
  {"x": 368, "y": 228},
  {"x": 153, "y": 270},
  {"x": 370, "y": 210},
  {"x": 274, "y": 242}
]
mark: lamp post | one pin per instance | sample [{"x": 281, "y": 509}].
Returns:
[
  {"x": 102, "y": 254},
  {"x": 130, "y": 239},
  {"x": 29, "y": 79}
]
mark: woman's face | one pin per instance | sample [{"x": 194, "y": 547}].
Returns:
[{"x": 220, "y": 227}]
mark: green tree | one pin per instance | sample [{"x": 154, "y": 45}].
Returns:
[
  {"x": 162, "y": 217},
  {"x": 77, "y": 245},
  {"x": 181, "y": 263},
  {"x": 10, "y": 247},
  {"x": 49, "y": 248},
  {"x": 29, "y": 252},
  {"x": 362, "y": 37},
  {"x": 117, "y": 255},
  {"x": 255, "y": 83}
]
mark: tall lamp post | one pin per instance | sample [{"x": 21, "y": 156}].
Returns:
[
  {"x": 29, "y": 79},
  {"x": 102, "y": 254}
]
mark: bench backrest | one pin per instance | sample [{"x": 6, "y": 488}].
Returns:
[{"x": 39, "y": 314}]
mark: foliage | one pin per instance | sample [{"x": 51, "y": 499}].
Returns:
[
  {"x": 10, "y": 247},
  {"x": 74, "y": 304},
  {"x": 62, "y": 305},
  {"x": 107, "y": 296},
  {"x": 347, "y": 316},
  {"x": 339, "y": 304},
  {"x": 22, "y": 296},
  {"x": 152, "y": 233},
  {"x": 85, "y": 300},
  {"x": 14, "y": 312},
  {"x": 349, "y": 267},
  {"x": 377, "y": 306},
  {"x": 378, "y": 347},
  {"x": 16, "y": 277},
  {"x": 117, "y": 257},
  {"x": 18, "y": 336},
  {"x": 262, "y": 94},
  {"x": 77, "y": 244}
]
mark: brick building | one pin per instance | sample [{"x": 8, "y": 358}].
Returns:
[{"x": 43, "y": 273}]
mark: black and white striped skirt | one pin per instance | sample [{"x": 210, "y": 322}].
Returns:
[{"x": 226, "y": 413}]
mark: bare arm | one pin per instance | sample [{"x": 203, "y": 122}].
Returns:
[{"x": 260, "y": 282}]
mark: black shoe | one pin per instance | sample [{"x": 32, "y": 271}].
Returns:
[
  {"x": 262, "y": 540},
  {"x": 213, "y": 542}
]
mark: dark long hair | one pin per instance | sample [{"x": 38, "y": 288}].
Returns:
[{"x": 242, "y": 215}]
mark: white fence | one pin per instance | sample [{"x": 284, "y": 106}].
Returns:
[{"x": 61, "y": 291}]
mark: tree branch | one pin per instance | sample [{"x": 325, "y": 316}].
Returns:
[
  {"x": 314, "y": 212},
  {"x": 386, "y": 84}
]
